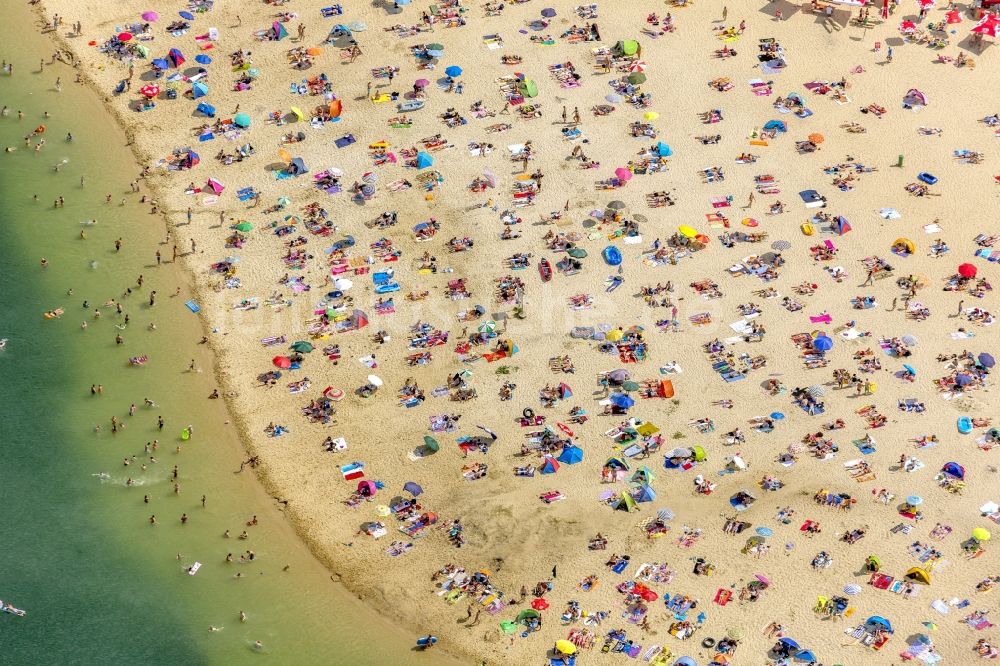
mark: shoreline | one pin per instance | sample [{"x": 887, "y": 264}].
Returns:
[
  {"x": 316, "y": 514},
  {"x": 349, "y": 585}
]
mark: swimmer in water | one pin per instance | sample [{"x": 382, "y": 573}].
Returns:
[
  {"x": 243, "y": 616},
  {"x": 83, "y": 325},
  {"x": 214, "y": 629},
  {"x": 257, "y": 645}
]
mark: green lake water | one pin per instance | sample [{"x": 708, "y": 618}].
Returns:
[{"x": 99, "y": 583}]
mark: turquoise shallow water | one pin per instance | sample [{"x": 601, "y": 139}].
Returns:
[{"x": 100, "y": 583}]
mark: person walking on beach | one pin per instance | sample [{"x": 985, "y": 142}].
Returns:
[
  {"x": 152, "y": 298},
  {"x": 158, "y": 258},
  {"x": 961, "y": 303}
]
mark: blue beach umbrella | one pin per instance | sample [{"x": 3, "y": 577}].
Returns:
[
  {"x": 685, "y": 661},
  {"x": 453, "y": 71},
  {"x": 188, "y": 16},
  {"x": 777, "y": 416},
  {"x": 914, "y": 500},
  {"x": 622, "y": 401},
  {"x": 160, "y": 63},
  {"x": 823, "y": 343},
  {"x": 987, "y": 360},
  {"x": 202, "y": 59},
  {"x": 790, "y": 642},
  {"x": 765, "y": 531}
]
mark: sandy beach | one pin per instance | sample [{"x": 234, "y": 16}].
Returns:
[{"x": 729, "y": 376}]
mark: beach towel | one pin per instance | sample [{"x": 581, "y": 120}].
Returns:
[{"x": 344, "y": 141}]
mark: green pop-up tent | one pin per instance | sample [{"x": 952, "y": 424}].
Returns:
[{"x": 529, "y": 88}]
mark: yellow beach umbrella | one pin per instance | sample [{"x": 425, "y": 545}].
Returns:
[
  {"x": 615, "y": 335},
  {"x": 565, "y": 647},
  {"x": 298, "y": 112},
  {"x": 314, "y": 51},
  {"x": 981, "y": 534},
  {"x": 651, "y": 115},
  {"x": 285, "y": 156},
  {"x": 686, "y": 231}
]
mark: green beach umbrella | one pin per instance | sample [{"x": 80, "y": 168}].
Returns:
[
  {"x": 431, "y": 444},
  {"x": 508, "y": 627},
  {"x": 630, "y": 386},
  {"x": 487, "y": 327},
  {"x": 529, "y": 88},
  {"x": 302, "y": 346},
  {"x": 434, "y": 47},
  {"x": 577, "y": 252},
  {"x": 243, "y": 226},
  {"x": 636, "y": 78}
]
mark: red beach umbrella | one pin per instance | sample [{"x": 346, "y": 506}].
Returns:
[
  {"x": 907, "y": 26},
  {"x": 967, "y": 270},
  {"x": 125, "y": 36},
  {"x": 539, "y": 604},
  {"x": 282, "y": 362},
  {"x": 149, "y": 91},
  {"x": 953, "y": 16},
  {"x": 989, "y": 25}
]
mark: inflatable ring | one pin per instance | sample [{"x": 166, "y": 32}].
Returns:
[
  {"x": 528, "y": 413},
  {"x": 708, "y": 642}
]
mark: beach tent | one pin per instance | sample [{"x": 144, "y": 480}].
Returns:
[
  {"x": 565, "y": 391},
  {"x": 431, "y": 444},
  {"x": 627, "y": 47},
  {"x": 215, "y": 186},
  {"x": 279, "y": 31},
  {"x": 954, "y": 469},
  {"x": 367, "y": 488},
  {"x": 571, "y": 455},
  {"x": 424, "y": 160},
  {"x": 160, "y": 63},
  {"x": 359, "y": 319},
  {"x": 529, "y": 88},
  {"x": 550, "y": 466},
  {"x": 698, "y": 452},
  {"x": 644, "y": 475},
  {"x": 841, "y": 225},
  {"x": 645, "y": 494},
  {"x": 879, "y": 622},
  {"x": 297, "y": 167},
  {"x": 198, "y": 89},
  {"x": 242, "y": 120},
  {"x": 663, "y": 150},
  {"x": 806, "y": 656},
  {"x": 528, "y": 614},
  {"x": 175, "y": 57},
  {"x": 905, "y": 244},
  {"x": 625, "y": 503},
  {"x": 617, "y": 463},
  {"x": 206, "y": 108},
  {"x": 412, "y": 488},
  {"x": 919, "y": 575},
  {"x": 914, "y": 98},
  {"x": 778, "y": 125}
]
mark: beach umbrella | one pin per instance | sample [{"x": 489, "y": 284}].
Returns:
[
  {"x": 777, "y": 416},
  {"x": 637, "y": 66},
  {"x": 150, "y": 16},
  {"x": 431, "y": 444},
  {"x": 989, "y": 25},
  {"x": 487, "y": 327},
  {"x": 297, "y": 112},
  {"x": 548, "y": 12},
  {"x": 816, "y": 138},
  {"x": 953, "y": 17},
  {"x": 453, "y": 71},
  {"x": 967, "y": 270},
  {"x": 565, "y": 647},
  {"x": 369, "y": 177},
  {"x": 663, "y": 150},
  {"x": 375, "y": 381},
  {"x": 907, "y": 26},
  {"x": 686, "y": 231},
  {"x": 635, "y": 78},
  {"x": 685, "y": 661},
  {"x": 621, "y": 173},
  {"x": 243, "y": 226},
  {"x": 616, "y": 205},
  {"x": 910, "y": 340},
  {"x": 781, "y": 245},
  {"x": 335, "y": 394},
  {"x": 577, "y": 252},
  {"x": 540, "y": 604},
  {"x": 367, "y": 190},
  {"x": 282, "y": 362},
  {"x": 125, "y": 36},
  {"x": 914, "y": 500},
  {"x": 358, "y": 26},
  {"x": 622, "y": 401},
  {"x": 412, "y": 488},
  {"x": 852, "y": 589},
  {"x": 421, "y": 83},
  {"x": 790, "y": 642},
  {"x": 614, "y": 98},
  {"x": 302, "y": 346},
  {"x": 735, "y": 633},
  {"x": 630, "y": 386},
  {"x": 665, "y": 514},
  {"x": 963, "y": 379},
  {"x": 149, "y": 91},
  {"x": 435, "y": 47},
  {"x": 343, "y": 284},
  {"x": 910, "y": 369},
  {"x": 188, "y": 16},
  {"x": 986, "y": 360},
  {"x": 765, "y": 531},
  {"x": 823, "y": 343},
  {"x": 242, "y": 120},
  {"x": 202, "y": 59},
  {"x": 650, "y": 115},
  {"x": 160, "y": 63},
  {"x": 805, "y": 655},
  {"x": 981, "y": 534}
]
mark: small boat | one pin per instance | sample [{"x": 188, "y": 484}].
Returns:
[
  {"x": 387, "y": 288},
  {"x": 7, "y": 608},
  {"x": 382, "y": 277},
  {"x": 410, "y": 105},
  {"x": 545, "y": 270},
  {"x": 964, "y": 425},
  {"x": 425, "y": 642},
  {"x": 612, "y": 255},
  {"x": 193, "y": 569},
  {"x": 138, "y": 360}
]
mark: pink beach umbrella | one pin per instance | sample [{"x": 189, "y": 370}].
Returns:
[
  {"x": 623, "y": 174},
  {"x": 421, "y": 83},
  {"x": 125, "y": 36},
  {"x": 150, "y": 16}
]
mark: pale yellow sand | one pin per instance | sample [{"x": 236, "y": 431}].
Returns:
[{"x": 502, "y": 515}]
